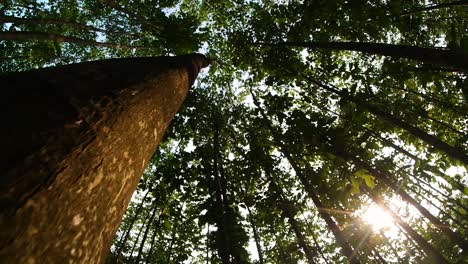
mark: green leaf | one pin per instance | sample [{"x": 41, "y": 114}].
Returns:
[
  {"x": 367, "y": 177},
  {"x": 167, "y": 225}
]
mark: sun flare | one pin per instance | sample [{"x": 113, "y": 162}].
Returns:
[{"x": 377, "y": 218}]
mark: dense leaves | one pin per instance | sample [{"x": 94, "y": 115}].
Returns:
[{"x": 304, "y": 121}]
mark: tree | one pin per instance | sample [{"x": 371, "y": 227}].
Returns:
[
  {"x": 436, "y": 6},
  {"x": 75, "y": 188},
  {"x": 355, "y": 109},
  {"x": 427, "y": 55}
]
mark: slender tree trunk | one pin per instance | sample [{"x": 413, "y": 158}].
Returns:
[
  {"x": 385, "y": 179},
  {"x": 435, "y": 56},
  {"x": 224, "y": 249},
  {"x": 145, "y": 235},
  {"x": 123, "y": 238},
  {"x": 153, "y": 239},
  {"x": 48, "y": 21},
  {"x": 382, "y": 177},
  {"x": 377, "y": 255},
  {"x": 340, "y": 238},
  {"x": 389, "y": 143},
  {"x": 256, "y": 236},
  {"x": 453, "y": 152},
  {"x": 77, "y": 142},
  {"x": 394, "y": 251},
  {"x": 169, "y": 252},
  {"x": 319, "y": 249},
  {"x": 426, "y": 194},
  {"x": 208, "y": 244},
  {"x": 428, "y": 249},
  {"x": 431, "y": 98},
  {"x": 301, "y": 239},
  {"x": 144, "y": 224},
  {"x": 34, "y": 35},
  {"x": 435, "y": 7}
]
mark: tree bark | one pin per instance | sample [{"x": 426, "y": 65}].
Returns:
[
  {"x": 34, "y": 35},
  {"x": 434, "y": 56},
  {"x": 77, "y": 140},
  {"x": 435, "y": 7}
]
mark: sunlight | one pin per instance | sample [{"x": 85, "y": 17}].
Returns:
[{"x": 377, "y": 218}]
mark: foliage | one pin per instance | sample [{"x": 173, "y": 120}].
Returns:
[{"x": 356, "y": 126}]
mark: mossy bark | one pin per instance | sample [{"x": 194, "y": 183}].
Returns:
[{"x": 75, "y": 142}]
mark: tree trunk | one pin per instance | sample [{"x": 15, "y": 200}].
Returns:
[
  {"x": 451, "y": 151},
  {"x": 171, "y": 245},
  {"x": 256, "y": 236},
  {"x": 435, "y": 56},
  {"x": 77, "y": 140},
  {"x": 221, "y": 200},
  {"x": 389, "y": 245},
  {"x": 34, "y": 35},
  {"x": 319, "y": 249},
  {"x": 435, "y": 7},
  {"x": 143, "y": 225},
  {"x": 145, "y": 235},
  {"x": 124, "y": 236},
  {"x": 301, "y": 239},
  {"x": 421, "y": 242},
  {"x": 383, "y": 178},
  {"x": 377, "y": 255},
  {"x": 48, "y": 21},
  {"x": 333, "y": 227}
]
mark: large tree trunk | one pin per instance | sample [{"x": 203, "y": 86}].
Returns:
[{"x": 75, "y": 143}]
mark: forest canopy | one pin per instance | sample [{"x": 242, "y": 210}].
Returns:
[{"x": 325, "y": 131}]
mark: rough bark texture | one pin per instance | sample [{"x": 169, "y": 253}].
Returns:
[{"x": 75, "y": 142}]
